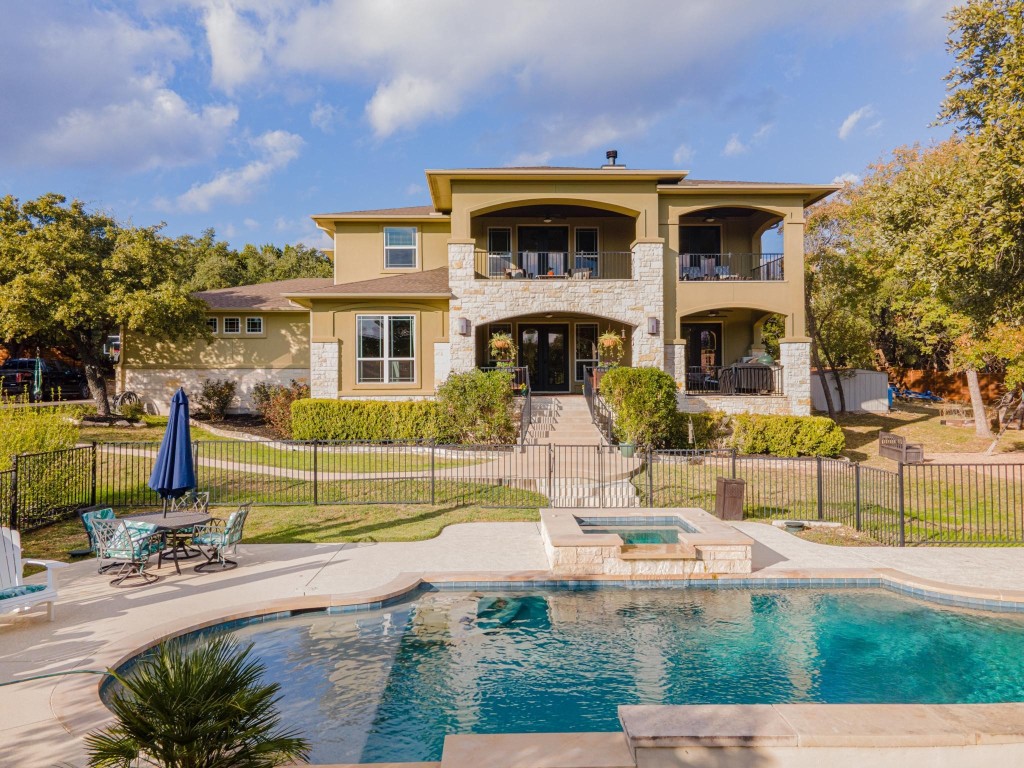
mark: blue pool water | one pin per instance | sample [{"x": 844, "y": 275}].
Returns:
[
  {"x": 388, "y": 685},
  {"x": 634, "y": 536}
]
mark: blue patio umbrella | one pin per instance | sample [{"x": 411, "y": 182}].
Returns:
[{"x": 174, "y": 473}]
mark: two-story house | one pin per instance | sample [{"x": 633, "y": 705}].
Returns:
[{"x": 687, "y": 271}]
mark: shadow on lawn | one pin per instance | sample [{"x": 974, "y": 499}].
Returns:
[{"x": 857, "y": 436}]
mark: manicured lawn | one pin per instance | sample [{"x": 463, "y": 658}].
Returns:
[
  {"x": 321, "y": 524},
  {"x": 918, "y": 424},
  {"x": 152, "y": 432}
]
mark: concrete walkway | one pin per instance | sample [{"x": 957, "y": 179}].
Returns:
[{"x": 93, "y": 617}]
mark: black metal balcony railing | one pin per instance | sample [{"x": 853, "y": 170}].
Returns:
[
  {"x": 730, "y": 266},
  {"x": 558, "y": 265},
  {"x": 736, "y": 379}
]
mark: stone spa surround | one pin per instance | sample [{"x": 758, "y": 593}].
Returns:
[{"x": 715, "y": 548}]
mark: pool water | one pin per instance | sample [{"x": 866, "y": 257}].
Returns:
[
  {"x": 634, "y": 536},
  {"x": 388, "y": 685}
]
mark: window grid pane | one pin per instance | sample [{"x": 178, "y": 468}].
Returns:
[
  {"x": 211, "y": 323},
  {"x": 399, "y": 247},
  {"x": 386, "y": 357},
  {"x": 254, "y": 325},
  {"x": 232, "y": 325}
]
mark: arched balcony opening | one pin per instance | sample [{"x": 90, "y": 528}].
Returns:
[
  {"x": 553, "y": 241},
  {"x": 730, "y": 243},
  {"x": 733, "y": 351}
]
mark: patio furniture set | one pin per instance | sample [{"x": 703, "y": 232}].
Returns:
[{"x": 186, "y": 530}]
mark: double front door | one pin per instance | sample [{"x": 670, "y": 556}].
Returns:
[{"x": 544, "y": 351}]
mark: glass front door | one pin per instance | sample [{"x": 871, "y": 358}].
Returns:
[{"x": 544, "y": 351}]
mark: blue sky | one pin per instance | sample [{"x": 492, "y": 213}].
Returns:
[{"x": 250, "y": 115}]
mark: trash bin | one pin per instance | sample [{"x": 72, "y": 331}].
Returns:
[{"x": 729, "y": 498}]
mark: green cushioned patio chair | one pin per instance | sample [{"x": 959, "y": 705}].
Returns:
[
  {"x": 88, "y": 516},
  {"x": 218, "y": 536},
  {"x": 127, "y": 545},
  {"x": 15, "y": 594}
]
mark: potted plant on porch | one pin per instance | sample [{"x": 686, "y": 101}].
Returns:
[
  {"x": 503, "y": 350},
  {"x": 609, "y": 352}
]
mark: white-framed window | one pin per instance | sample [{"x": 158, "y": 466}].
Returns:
[
  {"x": 212, "y": 324},
  {"x": 254, "y": 326},
  {"x": 399, "y": 247},
  {"x": 232, "y": 325},
  {"x": 586, "y": 348},
  {"x": 385, "y": 349}
]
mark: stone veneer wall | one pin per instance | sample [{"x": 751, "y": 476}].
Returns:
[
  {"x": 324, "y": 368},
  {"x": 156, "y": 386},
  {"x": 627, "y": 301},
  {"x": 795, "y": 357}
]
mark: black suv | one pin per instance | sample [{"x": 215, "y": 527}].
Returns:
[{"x": 59, "y": 380}]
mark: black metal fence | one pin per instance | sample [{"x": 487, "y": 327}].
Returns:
[{"x": 914, "y": 504}]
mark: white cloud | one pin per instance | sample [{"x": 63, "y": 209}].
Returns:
[
  {"x": 852, "y": 119},
  {"x": 734, "y": 146},
  {"x": 414, "y": 189},
  {"x": 763, "y": 131},
  {"x": 404, "y": 54},
  {"x": 251, "y": 223},
  {"x": 567, "y": 136},
  {"x": 325, "y": 116},
  {"x": 89, "y": 87},
  {"x": 683, "y": 154},
  {"x": 275, "y": 150},
  {"x": 846, "y": 178}
]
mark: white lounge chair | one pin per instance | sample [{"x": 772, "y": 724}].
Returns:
[{"x": 15, "y": 594}]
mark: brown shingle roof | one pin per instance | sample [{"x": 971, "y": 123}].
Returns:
[
  {"x": 432, "y": 281},
  {"x": 263, "y": 296},
  {"x": 411, "y": 210}
]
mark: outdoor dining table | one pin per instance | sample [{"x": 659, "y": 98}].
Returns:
[{"x": 174, "y": 523}]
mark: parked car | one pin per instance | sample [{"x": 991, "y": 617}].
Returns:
[{"x": 60, "y": 381}]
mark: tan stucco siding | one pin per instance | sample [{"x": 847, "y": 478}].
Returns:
[
  {"x": 335, "y": 320},
  {"x": 283, "y": 344},
  {"x": 359, "y": 248}
]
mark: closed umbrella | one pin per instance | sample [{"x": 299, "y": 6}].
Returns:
[{"x": 174, "y": 473}]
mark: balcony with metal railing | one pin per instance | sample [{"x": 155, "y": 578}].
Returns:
[
  {"x": 731, "y": 266},
  {"x": 736, "y": 379},
  {"x": 552, "y": 265}
]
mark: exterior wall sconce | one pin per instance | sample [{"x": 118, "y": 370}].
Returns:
[
  {"x": 653, "y": 326},
  {"x": 463, "y": 326}
]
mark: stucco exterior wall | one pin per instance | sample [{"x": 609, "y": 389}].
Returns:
[
  {"x": 359, "y": 248},
  {"x": 156, "y": 386}
]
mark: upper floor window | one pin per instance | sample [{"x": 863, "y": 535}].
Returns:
[
  {"x": 399, "y": 247},
  {"x": 232, "y": 325},
  {"x": 254, "y": 325},
  {"x": 212, "y": 324}
]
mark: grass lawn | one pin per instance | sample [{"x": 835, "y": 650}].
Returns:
[
  {"x": 152, "y": 432},
  {"x": 918, "y": 423},
  {"x": 321, "y": 524}
]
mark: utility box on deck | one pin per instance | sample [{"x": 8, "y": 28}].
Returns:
[{"x": 729, "y": 498}]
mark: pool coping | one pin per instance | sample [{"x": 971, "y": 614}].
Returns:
[{"x": 76, "y": 704}]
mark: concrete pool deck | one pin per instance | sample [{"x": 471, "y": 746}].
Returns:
[{"x": 42, "y": 722}]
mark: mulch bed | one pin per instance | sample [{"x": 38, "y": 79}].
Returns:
[{"x": 249, "y": 423}]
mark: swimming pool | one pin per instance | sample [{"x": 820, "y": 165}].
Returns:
[
  {"x": 387, "y": 685},
  {"x": 638, "y": 530}
]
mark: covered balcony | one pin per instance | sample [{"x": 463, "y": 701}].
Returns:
[
  {"x": 553, "y": 242},
  {"x": 732, "y": 352},
  {"x": 731, "y": 243}
]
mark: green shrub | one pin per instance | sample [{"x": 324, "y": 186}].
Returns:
[
  {"x": 710, "y": 428},
  {"x": 274, "y": 403},
  {"x": 644, "y": 401},
  {"x": 369, "y": 420},
  {"x": 477, "y": 407},
  {"x": 132, "y": 411},
  {"x": 214, "y": 398},
  {"x": 35, "y": 430},
  {"x": 787, "y": 435}
]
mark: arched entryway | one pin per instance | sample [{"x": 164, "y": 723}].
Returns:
[{"x": 555, "y": 347}]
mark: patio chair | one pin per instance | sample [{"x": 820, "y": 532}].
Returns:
[
  {"x": 88, "y": 517},
  {"x": 190, "y": 502},
  {"x": 580, "y": 274},
  {"x": 15, "y": 594},
  {"x": 218, "y": 536},
  {"x": 128, "y": 545}
]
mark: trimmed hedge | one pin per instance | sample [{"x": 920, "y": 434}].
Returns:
[
  {"x": 787, "y": 435},
  {"x": 371, "y": 420},
  {"x": 644, "y": 401},
  {"x": 710, "y": 428},
  {"x": 475, "y": 407}
]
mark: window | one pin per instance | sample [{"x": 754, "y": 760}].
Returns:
[
  {"x": 254, "y": 325},
  {"x": 586, "y": 348},
  {"x": 492, "y": 329},
  {"x": 586, "y": 250},
  {"x": 212, "y": 324},
  {"x": 499, "y": 240},
  {"x": 385, "y": 351},
  {"x": 232, "y": 325},
  {"x": 399, "y": 247}
]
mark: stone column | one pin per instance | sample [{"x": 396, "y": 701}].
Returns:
[
  {"x": 795, "y": 356},
  {"x": 324, "y": 369},
  {"x": 462, "y": 349},
  {"x": 647, "y": 299},
  {"x": 675, "y": 362}
]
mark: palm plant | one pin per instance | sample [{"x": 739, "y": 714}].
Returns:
[{"x": 200, "y": 707}]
